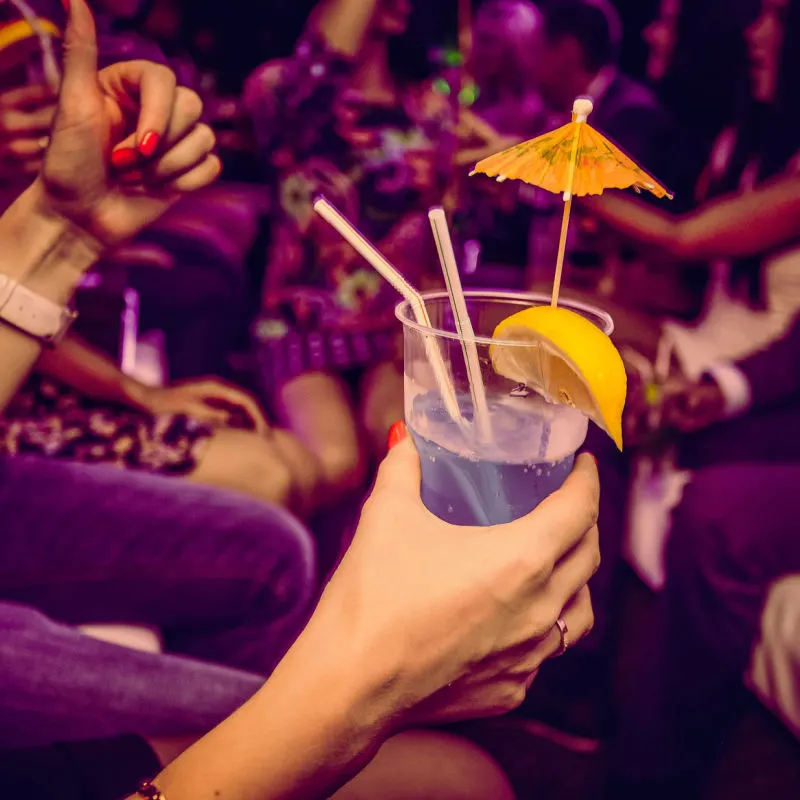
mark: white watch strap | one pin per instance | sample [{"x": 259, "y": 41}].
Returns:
[{"x": 31, "y": 313}]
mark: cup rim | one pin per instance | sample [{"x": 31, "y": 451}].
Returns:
[{"x": 402, "y": 311}]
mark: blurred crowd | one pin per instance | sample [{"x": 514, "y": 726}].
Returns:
[{"x": 240, "y": 343}]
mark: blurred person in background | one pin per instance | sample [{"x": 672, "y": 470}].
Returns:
[
  {"x": 577, "y": 55},
  {"x": 703, "y": 91},
  {"x": 745, "y": 228},
  {"x": 725, "y": 403},
  {"x": 732, "y": 537},
  {"x": 701, "y": 87},
  {"x": 339, "y": 118},
  {"x": 81, "y": 407},
  {"x": 188, "y": 267},
  {"x": 748, "y": 230},
  {"x": 507, "y": 109},
  {"x": 505, "y": 34},
  {"x": 224, "y": 578}
]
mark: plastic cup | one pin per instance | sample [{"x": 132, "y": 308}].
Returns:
[{"x": 467, "y": 480}]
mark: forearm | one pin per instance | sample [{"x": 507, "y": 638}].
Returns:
[
  {"x": 343, "y": 24},
  {"x": 632, "y": 218},
  {"x": 50, "y": 257},
  {"x": 737, "y": 226},
  {"x": 90, "y": 372},
  {"x": 302, "y": 736}
]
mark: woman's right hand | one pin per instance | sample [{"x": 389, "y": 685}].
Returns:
[{"x": 453, "y": 622}]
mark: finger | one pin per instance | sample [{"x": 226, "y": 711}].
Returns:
[
  {"x": 31, "y": 166},
  {"x": 186, "y": 154},
  {"x": 235, "y": 397},
  {"x": 155, "y": 86},
  {"x": 574, "y": 571},
  {"x": 562, "y": 519},
  {"x": 27, "y": 123},
  {"x": 400, "y": 472},
  {"x": 577, "y": 615},
  {"x": 80, "y": 55},
  {"x": 184, "y": 115},
  {"x": 26, "y": 97},
  {"x": 25, "y": 148},
  {"x": 253, "y": 410},
  {"x": 216, "y": 417},
  {"x": 201, "y": 176}
]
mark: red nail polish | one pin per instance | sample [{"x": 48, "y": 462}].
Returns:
[
  {"x": 66, "y": 5},
  {"x": 133, "y": 176},
  {"x": 124, "y": 158},
  {"x": 149, "y": 143},
  {"x": 397, "y": 433}
]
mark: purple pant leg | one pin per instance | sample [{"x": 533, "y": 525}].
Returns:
[{"x": 227, "y": 579}]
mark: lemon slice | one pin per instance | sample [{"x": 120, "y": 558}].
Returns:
[{"x": 569, "y": 361}]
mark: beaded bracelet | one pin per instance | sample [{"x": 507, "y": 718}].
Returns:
[{"x": 150, "y": 792}]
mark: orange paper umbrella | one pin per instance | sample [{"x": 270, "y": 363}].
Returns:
[{"x": 575, "y": 160}]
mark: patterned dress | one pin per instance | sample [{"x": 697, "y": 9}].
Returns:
[
  {"x": 325, "y": 309},
  {"x": 48, "y": 418}
]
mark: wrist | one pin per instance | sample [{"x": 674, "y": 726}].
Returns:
[
  {"x": 356, "y": 694},
  {"x": 136, "y": 394},
  {"x": 310, "y": 728},
  {"x": 42, "y": 249}
]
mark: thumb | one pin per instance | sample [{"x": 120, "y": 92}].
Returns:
[
  {"x": 400, "y": 472},
  {"x": 80, "y": 52}
]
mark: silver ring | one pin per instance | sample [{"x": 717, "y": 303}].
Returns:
[{"x": 563, "y": 630}]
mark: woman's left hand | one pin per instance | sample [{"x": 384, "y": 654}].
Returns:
[
  {"x": 208, "y": 400},
  {"x": 126, "y": 142}
]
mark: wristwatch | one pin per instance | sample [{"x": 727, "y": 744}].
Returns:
[{"x": 32, "y": 314}]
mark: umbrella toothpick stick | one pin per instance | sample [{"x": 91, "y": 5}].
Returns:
[{"x": 580, "y": 113}]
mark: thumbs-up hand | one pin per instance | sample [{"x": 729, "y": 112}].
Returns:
[{"x": 126, "y": 142}]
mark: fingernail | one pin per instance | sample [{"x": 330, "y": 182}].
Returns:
[
  {"x": 149, "y": 143},
  {"x": 397, "y": 433},
  {"x": 134, "y": 176},
  {"x": 124, "y": 158},
  {"x": 66, "y": 5}
]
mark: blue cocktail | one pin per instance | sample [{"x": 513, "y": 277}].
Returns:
[{"x": 469, "y": 479}]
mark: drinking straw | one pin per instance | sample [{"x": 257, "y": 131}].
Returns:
[
  {"x": 52, "y": 73},
  {"x": 447, "y": 258},
  {"x": 376, "y": 259}
]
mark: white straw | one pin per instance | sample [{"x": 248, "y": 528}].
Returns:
[
  {"x": 369, "y": 252},
  {"x": 52, "y": 73},
  {"x": 447, "y": 258}
]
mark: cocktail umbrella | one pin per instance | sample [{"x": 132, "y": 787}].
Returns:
[{"x": 575, "y": 160}]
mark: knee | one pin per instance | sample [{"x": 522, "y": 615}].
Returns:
[
  {"x": 261, "y": 472},
  {"x": 17, "y": 619},
  {"x": 304, "y": 467},
  {"x": 342, "y": 468}
]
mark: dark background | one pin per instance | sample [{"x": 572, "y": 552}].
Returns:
[{"x": 234, "y": 36}]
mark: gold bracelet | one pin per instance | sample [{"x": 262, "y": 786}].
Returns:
[{"x": 149, "y": 792}]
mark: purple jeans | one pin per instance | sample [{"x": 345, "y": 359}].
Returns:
[{"x": 228, "y": 580}]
